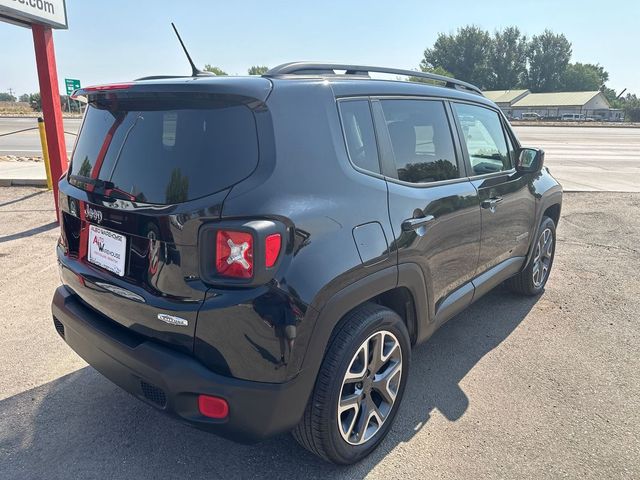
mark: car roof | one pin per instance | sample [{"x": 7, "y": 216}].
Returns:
[
  {"x": 347, "y": 86},
  {"x": 342, "y": 85}
]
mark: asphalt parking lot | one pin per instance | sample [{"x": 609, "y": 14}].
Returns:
[
  {"x": 544, "y": 387},
  {"x": 589, "y": 158}
]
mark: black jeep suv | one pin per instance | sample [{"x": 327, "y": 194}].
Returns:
[{"x": 257, "y": 255}]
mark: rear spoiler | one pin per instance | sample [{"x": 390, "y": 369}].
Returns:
[{"x": 257, "y": 88}]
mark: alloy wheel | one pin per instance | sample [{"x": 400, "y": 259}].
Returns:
[
  {"x": 542, "y": 258},
  {"x": 369, "y": 387}
]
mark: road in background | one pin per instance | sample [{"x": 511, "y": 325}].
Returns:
[
  {"x": 27, "y": 144},
  {"x": 581, "y": 158},
  {"x": 589, "y": 158},
  {"x": 541, "y": 387}
]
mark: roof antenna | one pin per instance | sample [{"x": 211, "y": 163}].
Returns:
[{"x": 195, "y": 72}]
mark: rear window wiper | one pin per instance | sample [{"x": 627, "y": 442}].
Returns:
[
  {"x": 95, "y": 182},
  {"x": 102, "y": 187}
]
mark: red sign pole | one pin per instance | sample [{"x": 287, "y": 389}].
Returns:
[{"x": 50, "y": 97}]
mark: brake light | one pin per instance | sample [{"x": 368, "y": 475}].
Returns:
[
  {"x": 234, "y": 254},
  {"x": 213, "y": 407},
  {"x": 272, "y": 249},
  {"x": 111, "y": 86}
]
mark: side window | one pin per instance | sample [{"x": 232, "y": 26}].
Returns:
[
  {"x": 511, "y": 148},
  {"x": 484, "y": 138},
  {"x": 421, "y": 140},
  {"x": 359, "y": 135}
]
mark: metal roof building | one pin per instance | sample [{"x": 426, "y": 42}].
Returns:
[
  {"x": 505, "y": 97},
  {"x": 595, "y": 99},
  {"x": 555, "y": 105}
]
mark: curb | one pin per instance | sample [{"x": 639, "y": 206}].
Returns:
[{"x": 23, "y": 182}]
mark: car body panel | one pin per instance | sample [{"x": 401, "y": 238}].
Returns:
[{"x": 343, "y": 244}]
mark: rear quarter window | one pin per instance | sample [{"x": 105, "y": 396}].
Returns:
[{"x": 357, "y": 125}]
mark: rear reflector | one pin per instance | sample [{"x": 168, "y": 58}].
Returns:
[
  {"x": 234, "y": 254},
  {"x": 213, "y": 407},
  {"x": 272, "y": 249}
]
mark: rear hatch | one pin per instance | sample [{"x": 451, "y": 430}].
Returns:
[{"x": 150, "y": 166}]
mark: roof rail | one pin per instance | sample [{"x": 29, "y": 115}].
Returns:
[{"x": 314, "y": 68}]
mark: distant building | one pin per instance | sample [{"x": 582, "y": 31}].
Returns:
[
  {"x": 567, "y": 105},
  {"x": 558, "y": 105},
  {"x": 506, "y": 98}
]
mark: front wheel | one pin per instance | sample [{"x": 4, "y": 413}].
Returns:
[
  {"x": 531, "y": 280},
  {"x": 359, "y": 386}
]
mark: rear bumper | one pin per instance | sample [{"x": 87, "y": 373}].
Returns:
[{"x": 171, "y": 381}]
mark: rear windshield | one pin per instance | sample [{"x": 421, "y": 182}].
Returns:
[{"x": 165, "y": 150}]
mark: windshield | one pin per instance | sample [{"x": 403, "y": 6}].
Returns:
[{"x": 164, "y": 150}]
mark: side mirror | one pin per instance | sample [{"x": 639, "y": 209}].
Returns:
[{"x": 530, "y": 160}]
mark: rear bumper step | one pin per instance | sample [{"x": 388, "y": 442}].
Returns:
[{"x": 171, "y": 381}]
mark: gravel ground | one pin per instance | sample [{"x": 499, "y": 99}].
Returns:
[
  {"x": 512, "y": 388},
  {"x": 19, "y": 158}
]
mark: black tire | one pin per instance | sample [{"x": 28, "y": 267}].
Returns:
[
  {"x": 319, "y": 431},
  {"x": 524, "y": 282}
]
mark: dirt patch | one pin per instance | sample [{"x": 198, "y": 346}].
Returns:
[{"x": 19, "y": 158}]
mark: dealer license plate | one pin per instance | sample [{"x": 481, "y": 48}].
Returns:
[{"x": 107, "y": 249}]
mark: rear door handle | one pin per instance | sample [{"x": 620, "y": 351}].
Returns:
[
  {"x": 491, "y": 203},
  {"x": 412, "y": 224}
]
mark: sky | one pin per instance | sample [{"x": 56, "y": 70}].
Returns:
[{"x": 120, "y": 40}]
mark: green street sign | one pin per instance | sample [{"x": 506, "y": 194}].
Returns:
[{"x": 71, "y": 84}]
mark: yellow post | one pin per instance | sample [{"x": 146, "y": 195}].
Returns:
[{"x": 45, "y": 152}]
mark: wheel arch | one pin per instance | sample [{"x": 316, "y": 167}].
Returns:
[
  {"x": 401, "y": 288},
  {"x": 549, "y": 206},
  {"x": 553, "y": 212}
]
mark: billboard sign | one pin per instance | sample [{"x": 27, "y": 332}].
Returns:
[{"x": 25, "y": 12}]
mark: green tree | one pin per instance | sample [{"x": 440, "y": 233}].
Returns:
[
  {"x": 465, "y": 54},
  {"x": 428, "y": 171},
  {"x": 7, "y": 97},
  {"x": 214, "y": 69},
  {"x": 437, "y": 71},
  {"x": 35, "y": 101},
  {"x": 64, "y": 103},
  {"x": 549, "y": 55},
  {"x": 25, "y": 97},
  {"x": 583, "y": 77},
  {"x": 612, "y": 97},
  {"x": 178, "y": 189},
  {"x": 631, "y": 107},
  {"x": 508, "y": 59},
  {"x": 602, "y": 73},
  {"x": 258, "y": 70},
  {"x": 85, "y": 168}
]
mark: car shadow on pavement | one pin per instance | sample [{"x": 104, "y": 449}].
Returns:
[
  {"x": 82, "y": 426},
  {"x": 30, "y": 232},
  {"x": 23, "y": 198}
]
